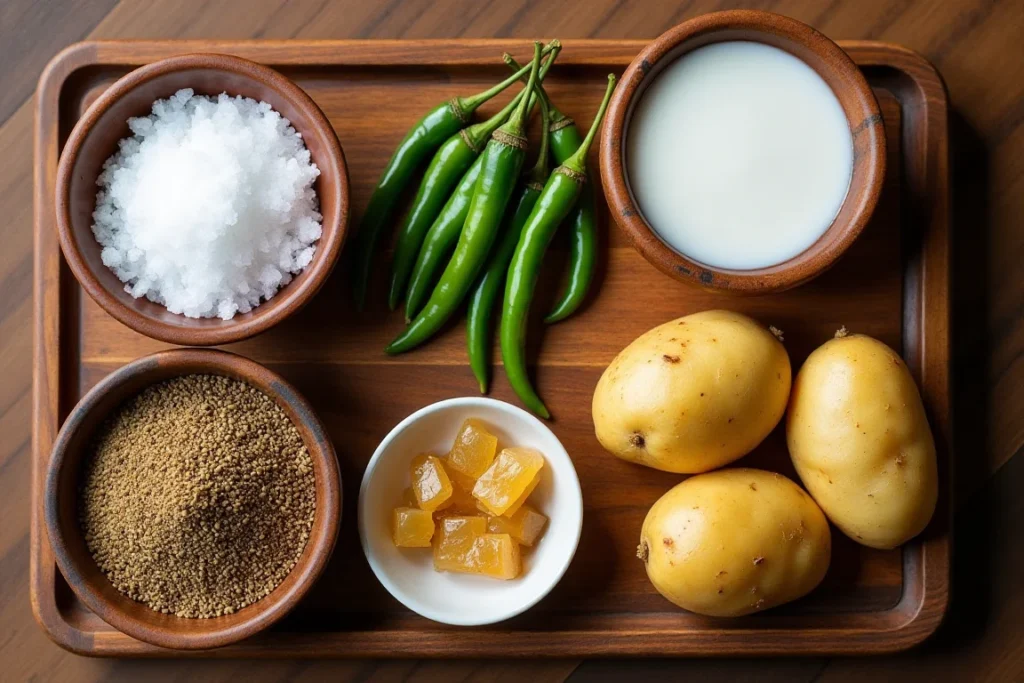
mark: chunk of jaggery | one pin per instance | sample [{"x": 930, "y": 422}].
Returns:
[
  {"x": 454, "y": 543},
  {"x": 497, "y": 556},
  {"x": 473, "y": 451},
  {"x": 462, "y": 482},
  {"x": 462, "y": 502},
  {"x": 509, "y": 479},
  {"x": 430, "y": 482},
  {"x": 412, "y": 527},
  {"x": 523, "y": 497},
  {"x": 525, "y": 525}
]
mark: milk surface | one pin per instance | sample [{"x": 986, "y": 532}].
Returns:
[{"x": 739, "y": 155}]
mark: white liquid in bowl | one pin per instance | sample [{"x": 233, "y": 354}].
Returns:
[{"x": 739, "y": 155}]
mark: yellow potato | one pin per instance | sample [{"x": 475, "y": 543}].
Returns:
[
  {"x": 693, "y": 394},
  {"x": 860, "y": 441},
  {"x": 735, "y": 541}
]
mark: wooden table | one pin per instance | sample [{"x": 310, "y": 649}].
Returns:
[{"x": 976, "y": 44}]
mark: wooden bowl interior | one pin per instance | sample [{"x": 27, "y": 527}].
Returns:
[
  {"x": 862, "y": 113},
  {"x": 106, "y": 128},
  {"x": 81, "y": 571}
]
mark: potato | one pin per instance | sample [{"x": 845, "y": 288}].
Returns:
[
  {"x": 735, "y": 541},
  {"x": 693, "y": 394},
  {"x": 859, "y": 438}
]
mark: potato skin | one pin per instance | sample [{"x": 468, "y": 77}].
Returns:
[
  {"x": 860, "y": 441},
  {"x": 734, "y": 542},
  {"x": 693, "y": 394}
]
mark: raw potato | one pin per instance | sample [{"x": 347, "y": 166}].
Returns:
[
  {"x": 733, "y": 542},
  {"x": 693, "y": 394},
  {"x": 860, "y": 441}
]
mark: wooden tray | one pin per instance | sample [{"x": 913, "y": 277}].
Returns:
[{"x": 893, "y": 284}]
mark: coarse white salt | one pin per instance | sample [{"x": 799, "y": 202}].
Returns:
[{"x": 209, "y": 208}]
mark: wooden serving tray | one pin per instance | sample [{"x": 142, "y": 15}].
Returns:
[{"x": 893, "y": 284}]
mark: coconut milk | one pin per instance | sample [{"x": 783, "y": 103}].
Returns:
[{"x": 739, "y": 155}]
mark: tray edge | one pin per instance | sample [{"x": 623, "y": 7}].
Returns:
[{"x": 924, "y": 612}]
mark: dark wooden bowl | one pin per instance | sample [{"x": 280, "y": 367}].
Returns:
[
  {"x": 94, "y": 139},
  {"x": 73, "y": 557},
  {"x": 834, "y": 66}
]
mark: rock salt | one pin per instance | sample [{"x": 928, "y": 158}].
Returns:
[{"x": 209, "y": 208}]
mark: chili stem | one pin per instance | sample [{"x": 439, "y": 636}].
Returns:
[
  {"x": 472, "y": 102},
  {"x": 479, "y": 133},
  {"x": 578, "y": 161},
  {"x": 539, "y": 172},
  {"x": 517, "y": 122},
  {"x": 556, "y": 114}
]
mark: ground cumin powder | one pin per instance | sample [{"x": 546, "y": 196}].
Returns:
[{"x": 199, "y": 496}]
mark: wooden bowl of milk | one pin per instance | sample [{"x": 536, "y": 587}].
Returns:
[{"x": 743, "y": 152}]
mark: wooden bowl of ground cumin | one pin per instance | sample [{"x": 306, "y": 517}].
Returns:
[{"x": 192, "y": 498}]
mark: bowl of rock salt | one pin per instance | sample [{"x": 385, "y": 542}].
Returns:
[{"x": 202, "y": 199}]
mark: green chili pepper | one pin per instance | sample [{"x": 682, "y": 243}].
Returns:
[
  {"x": 440, "y": 240},
  {"x": 565, "y": 140},
  {"x": 449, "y": 164},
  {"x": 582, "y": 257},
  {"x": 502, "y": 160},
  {"x": 481, "y": 304},
  {"x": 425, "y": 137},
  {"x": 556, "y": 201}
]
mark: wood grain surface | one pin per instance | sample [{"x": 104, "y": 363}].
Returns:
[{"x": 976, "y": 45}]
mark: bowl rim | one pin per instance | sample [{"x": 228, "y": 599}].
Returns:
[
  {"x": 377, "y": 567},
  {"x": 778, "y": 277},
  {"x": 324, "y": 258},
  {"x": 329, "y": 497}
]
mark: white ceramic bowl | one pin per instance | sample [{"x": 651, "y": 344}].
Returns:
[{"x": 408, "y": 573}]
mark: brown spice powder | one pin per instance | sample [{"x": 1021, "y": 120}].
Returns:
[{"x": 199, "y": 496}]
